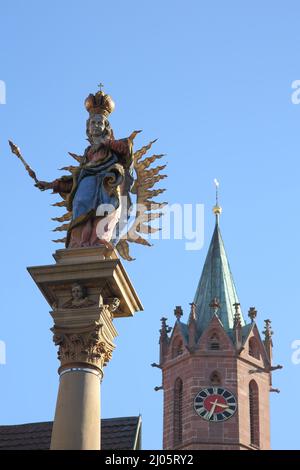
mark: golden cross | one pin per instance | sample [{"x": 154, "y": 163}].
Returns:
[{"x": 100, "y": 86}]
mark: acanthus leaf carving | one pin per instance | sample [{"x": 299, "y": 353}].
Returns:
[{"x": 89, "y": 344}]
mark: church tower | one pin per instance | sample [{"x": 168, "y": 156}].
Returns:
[{"x": 216, "y": 368}]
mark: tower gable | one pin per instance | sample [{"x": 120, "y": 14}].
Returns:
[
  {"x": 215, "y": 339},
  {"x": 254, "y": 350},
  {"x": 178, "y": 341}
]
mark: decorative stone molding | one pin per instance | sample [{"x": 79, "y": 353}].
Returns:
[
  {"x": 88, "y": 344},
  {"x": 86, "y": 288}
]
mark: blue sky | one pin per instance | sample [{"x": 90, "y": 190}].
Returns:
[{"x": 210, "y": 79}]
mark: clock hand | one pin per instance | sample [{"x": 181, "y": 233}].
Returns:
[
  {"x": 212, "y": 410},
  {"x": 222, "y": 406},
  {"x": 214, "y": 405}
]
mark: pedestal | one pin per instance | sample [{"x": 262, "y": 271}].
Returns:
[{"x": 86, "y": 289}]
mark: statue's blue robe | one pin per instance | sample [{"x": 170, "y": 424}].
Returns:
[{"x": 91, "y": 193}]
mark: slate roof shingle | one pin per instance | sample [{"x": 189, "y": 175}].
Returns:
[{"x": 116, "y": 434}]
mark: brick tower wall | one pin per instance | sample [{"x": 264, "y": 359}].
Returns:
[{"x": 195, "y": 371}]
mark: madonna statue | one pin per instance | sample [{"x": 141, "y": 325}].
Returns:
[{"x": 97, "y": 192}]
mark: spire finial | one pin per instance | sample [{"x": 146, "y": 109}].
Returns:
[
  {"x": 193, "y": 315},
  {"x": 178, "y": 312},
  {"x": 237, "y": 316},
  {"x": 252, "y": 314},
  {"x": 165, "y": 328},
  {"x": 268, "y": 333},
  {"x": 215, "y": 305},
  {"x": 217, "y": 210}
]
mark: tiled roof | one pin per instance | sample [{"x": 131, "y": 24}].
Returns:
[
  {"x": 121, "y": 433},
  {"x": 26, "y": 436},
  {"x": 116, "y": 434}
]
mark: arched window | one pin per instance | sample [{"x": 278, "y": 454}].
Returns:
[
  {"x": 215, "y": 378},
  {"x": 177, "y": 348},
  {"x": 254, "y": 413},
  {"x": 177, "y": 416},
  {"x": 253, "y": 348},
  {"x": 214, "y": 342}
]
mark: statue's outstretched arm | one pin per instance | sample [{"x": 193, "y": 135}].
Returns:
[
  {"x": 42, "y": 185},
  {"x": 62, "y": 185},
  {"x": 58, "y": 185}
]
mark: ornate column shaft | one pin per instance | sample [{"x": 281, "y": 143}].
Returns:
[
  {"x": 83, "y": 352},
  {"x": 86, "y": 289}
]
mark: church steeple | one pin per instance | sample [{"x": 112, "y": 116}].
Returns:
[
  {"x": 216, "y": 282},
  {"x": 216, "y": 369}
]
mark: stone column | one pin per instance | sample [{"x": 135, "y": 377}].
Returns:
[
  {"x": 79, "y": 390},
  {"x": 86, "y": 289}
]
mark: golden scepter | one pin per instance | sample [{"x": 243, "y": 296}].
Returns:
[{"x": 17, "y": 152}]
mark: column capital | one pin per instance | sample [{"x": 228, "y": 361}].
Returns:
[
  {"x": 87, "y": 345},
  {"x": 86, "y": 288}
]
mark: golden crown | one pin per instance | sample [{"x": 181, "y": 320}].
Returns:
[{"x": 100, "y": 103}]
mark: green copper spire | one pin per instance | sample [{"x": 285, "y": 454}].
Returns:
[{"x": 216, "y": 285}]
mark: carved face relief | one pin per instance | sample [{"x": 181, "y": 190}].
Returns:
[
  {"x": 113, "y": 304},
  {"x": 79, "y": 298},
  {"x": 96, "y": 126},
  {"x": 77, "y": 292}
]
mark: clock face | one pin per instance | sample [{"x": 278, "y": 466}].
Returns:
[{"x": 215, "y": 404}]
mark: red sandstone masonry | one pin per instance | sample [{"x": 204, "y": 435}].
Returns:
[{"x": 235, "y": 370}]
